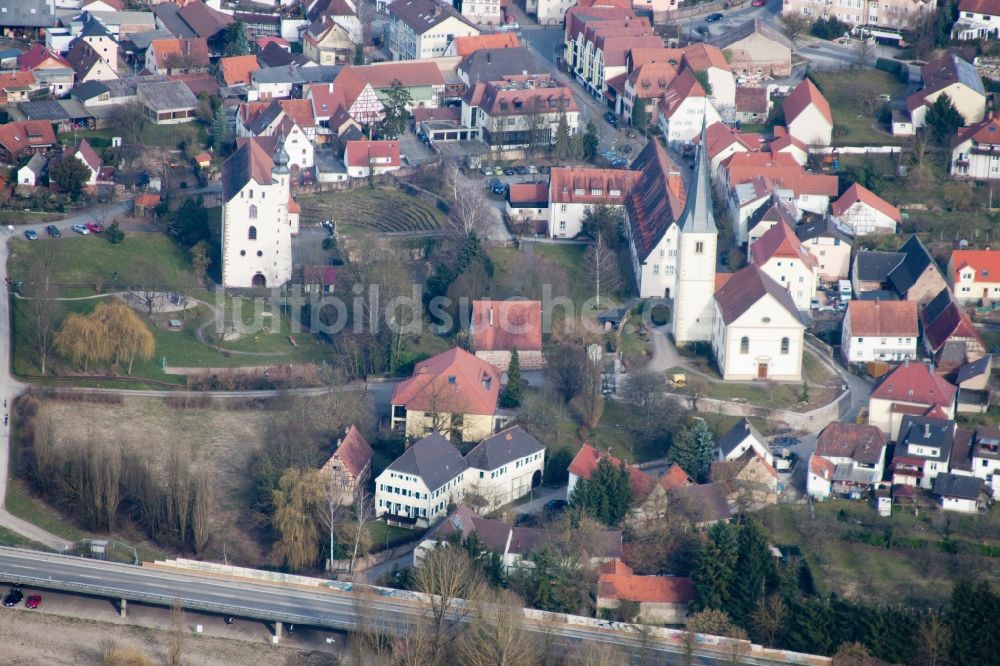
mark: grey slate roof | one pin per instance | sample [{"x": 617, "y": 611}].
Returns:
[
  {"x": 26, "y": 14},
  {"x": 739, "y": 432},
  {"x": 504, "y": 447},
  {"x": 167, "y": 14},
  {"x": 974, "y": 369},
  {"x": 37, "y": 164},
  {"x": 743, "y": 31},
  {"x": 926, "y": 431},
  {"x": 698, "y": 216},
  {"x": 823, "y": 227},
  {"x": 774, "y": 209},
  {"x": 167, "y": 95},
  {"x": 875, "y": 266},
  {"x": 878, "y": 295},
  {"x": 54, "y": 109},
  {"x": 92, "y": 27},
  {"x": 293, "y": 74},
  {"x": 141, "y": 40},
  {"x": 264, "y": 118},
  {"x": 960, "y": 486},
  {"x": 434, "y": 459},
  {"x": 274, "y": 55},
  {"x": 488, "y": 65},
  {"x": 915, "y": 261},
  {"x": 88, "y": 90},
  {"x": 422, "y": 15},
  {"x": 936, "y": 306}
]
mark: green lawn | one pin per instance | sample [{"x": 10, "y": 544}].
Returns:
[
  {"x": 764, "y": 394},
  {"x": 8, "y": 538},
  {"x": 380, "y": 209},
  {"x": 23, "y": 505},
  {"x": 841, "y": 90},
  {"x": 164, "y": 136},
  {"x": 382, "y": 535}
]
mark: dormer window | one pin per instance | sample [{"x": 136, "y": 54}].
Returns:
[
  {"x": 452, "y": 379},
  {"x": 615, "y": 193},
  {"x": 597, "y": 192},
  {"x": 578, "y": 191}
]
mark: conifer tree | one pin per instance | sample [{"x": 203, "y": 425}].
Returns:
[{"x": 514, "y": 390}]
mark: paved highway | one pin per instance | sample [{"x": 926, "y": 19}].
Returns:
[{"x": 273, "y": 602}]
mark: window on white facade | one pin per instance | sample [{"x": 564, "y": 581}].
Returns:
[
  {"x": 784, "y": 345},
  {"x": 699, "y": 248},
  {"x": 252, "y": 233},
  {"x": 744, "y": 345},
  {"x": 252, "y": 212}
]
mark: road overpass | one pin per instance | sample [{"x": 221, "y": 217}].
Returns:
[{"x": 291, "y": 604}]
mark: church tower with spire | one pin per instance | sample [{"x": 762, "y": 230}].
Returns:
[{"x": 696, "y": 251}]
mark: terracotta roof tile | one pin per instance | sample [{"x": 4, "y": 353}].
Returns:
[
  {"x": 720, "y": 136},
  {"x": 22, "y": 135},
  {"x": 780, "y": 168},
  {"x": 914, "y": 382},
  {"x": 751, "y": 99},
  {"x": 656, "y": 589},
  {"x": 806, "y": 94},
  {"x": 656, "y": 200},
  {"x": 860, "y": 442},
  {"x": 651, "y": 80},
  {"x": 504, "y": 325},
  {"x": 674, "y": 477},
  {"x": 989, "y": 7},
  {"x": 856, "y": 193},
  {"x": 780, "y": 241},
  {"x": 984, "y": 263},
  {"x": 577, "y": 185},
  {"x": 237, "y": 69},
  {"x": 528, "y": 193},
  {"x": 360, "y": 153},
  {"x": 454, "y": 381},
  {"x": 986, "y": 132},
  {"x": 883, "y": 318},
  {"x": 585, "y": 462},
  {"x": 499, "y": 40},
  {"x": 701, "y": 56}
]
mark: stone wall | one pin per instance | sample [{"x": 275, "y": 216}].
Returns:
[{"x": 530, "y": 360}]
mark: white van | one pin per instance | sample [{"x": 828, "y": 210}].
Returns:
[{"x": 845, "y": 290}]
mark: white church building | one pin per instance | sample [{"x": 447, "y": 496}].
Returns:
[{"x": 257, "y": 226}]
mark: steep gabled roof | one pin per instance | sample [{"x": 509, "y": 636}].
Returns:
[
  {"x": 361, "y": 153},
  {"x": 959, "y": 486},
  {"x": 856, "y": 193},
  {"x": 780, "y": 242},
  {"x": 87, "y": 155},
  {"x": 249, "y": 162},
  {"x": 747, "y": 286},
  {"x": 502, "y": 448},
  {"x": 751, "y": 99},
  {"x": 454, "y": 382},
  {"x": 203, "y": 20},
  {"x": 657, "y": 200},
  {"x": 38, "y": 55},
  {"x": 354, "y": 451},
  {"x": 651, "y": 589},
  {"x": 914, "y": 382},
  {"x": 860, "y": 442},
  {"x": 434, "y": 459},
  {"x": 984, "y": 133},
  {"x": 737, "y": 435},
  {"x": 875, "y": 266},
  {"x": 752, "y": 26},
  {"x": 988, "y": 7},
  {"x": 806, "y": 94},
  {"x": 823, "y": 227},
  {"x": 237, "y": 69},
  {"x": 915, "y": 261},
  {"x": 82, "y": 57},
  {"x": 985, "y": 264},
  {"x": 945, "y": 320},
  {"x": 505, "y": 325},
  {"x": 22, "y": 135},
  {"x": 486, "y": 65},
  {"x": 423, "y": 15},
  {"x": 947, "y": 69},
  {"x": 878, "y": 319},
  {"x": 585, "y": 462},
  {"x": 499, "y": 40}
]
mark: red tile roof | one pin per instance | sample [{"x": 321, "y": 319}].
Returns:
[
  {"x": 780, "y": 168},
  {"x": 146, "y": 199},
  {"x": 656, "y": 589},
  {"x": 657, "y": 200},
  {"x": 528, "y": 193},
  {"x": 780, "y": 241},
  {"x": 499, "y": 40},
  {"x": 702, "y": 56},
  {"x": 650, "y": 80},
  {"x": 37, "y": 55},
  {"x": 721, "y": 136},
  {"x": 353, "y": 451},
  {"x": 262, "y": 42},
  {"x": 856, "y": 193},
  {"x": 293, "y": 206},
  {"x": 324, "y": 275},
  {"x": 576, "y": 184},
  {"x": 986, "y": 132},
  {"x": 87, "y": 155},
  {"x": 22, "y": 135},
  {"x": 949, "y": 323},
  {"x": 409, "y": 73},
  {"x": 914, "y": 382},
  {"x": 360, "y": 153},
  {"x": 680, "y": 89},
  {"x": 821, "y": 467},
  {"x": 585, "y": 462},
  {"x": 990, "y": 7},
  {"x": 674, "y": 477},
  {"x": 883, "y": 318},
  {"x": 181, "y": 52},
  {"x": 237, "y": 69},
  {"x": 454, "y": 382},
  {"x": 751, "y": 99},
  {"x": 299, "y": 110},
  {"x": 806, "y": 94},
  {"x": 504, "y": 325},
  {"x": 16, "y": 79},
  {"x": 985, "y": 264},
  {"x": 861, "y": 442}
]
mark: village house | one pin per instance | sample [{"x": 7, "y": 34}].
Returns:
[
  {"x": 661, "y": 599},
  {"x": 487, "y": 65},
  {"x": 739, "y": 439},
  {"x": 974, "y": 392},
  {"x": 757, "y": 332},
  {"x": 893, "y": 15},
  {"x": 467, "y": 45},
  {"x": 975, "y": 151},
  {"x": 177, "y": 56},
  {"x": 575, "y": 190},
  {"x": 18, "y": 87},
  {"x": 962, "y": 494},
  {"x": 808, "y": 116},
  {"x": 528, "y": 204},
  {"x": 977, "y": 19},
  {"x": 453, "y": 393},
  {"x": 417, "y": 487},
  {"x": 363, "y": 158},
  {"x": 949, "y": 335},
  {"x": 520, "y": 111},
  {"x": 864, "y": 213},
  {"x": 986, "y": 454},
  {"x": 48, "y": 68},
  {"x": 849, "y": 460},
  {"x": 98, "y": 38},
  {"x": 586, "y": 461},
  {"x": 829, "y": 246},
  {"x": 236, "y": 70},
  {"x": 924, "y": 449},
  {"x": 597, "y": 44},
  {"x": 328, "y": 43},
  {"x": 420, "y": 29},
  {"x": 753, "y": 104},
  {"x": 780, "y": 255},
  {"x": 319, "y": 279},
  {"x": 684, "y": 109},
  {"x": 87, "y": 63},
  {"x": 350, "y": 466},
  {"x": 85, "y": 153},
  {"x": 952, "y": 76},
  {"x": 772, "y": 212},
  {"x": 724, "y": 141},
  {"x": 359, "y": 88},
  {"x": 756, "y": 50},
  {"x": 974, "y": 275},
  {"x": 910, "y": 273},
  {"x": 911, "y": 389},
  {"x": 31, "y": 174},
  {"x": 703, "y": 504},
  {"x": 883, "y": 331},
  {"x": 504, "y": 467},
  {"x": 499, "y": 327},
  {"x": 751, "y": 481},
  {"x": 26, "y": 137}
]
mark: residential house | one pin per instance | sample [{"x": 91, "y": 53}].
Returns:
[
  {"x": 684, "y": 110},
  {"x": 122, "y": 25},
  {"x": 31, "y": 174},
  {"x": 168, "y": 102},
  {"x": 67, "y": 115},
  {"x": 894, "y": 15},
  {"x": 952, "y": 76},
  {"x": 975, "y": 151},
  {"x": 520, "y": 111},
  {"x": 773, "y": 211},
  {"x": 724, "y": 141},
  {"x": 780, "y": 254},
  {"x": 645, "y": 84},
  {"x": 463, "y": 47},
  {"x": 702, "y": 57},
  {"x": 236, "y": 70},
  {"x": 739, "y": 439},
  {"x": 194, "y": 19},
  {"x": 660, "y": 599},
  {"x": 48, "y": 68},
  {"x": 360, "y": 89},
  {"x": 97, "y": 36},
  {"x": 974, "y": 392},
  {"x": 963, "y": 494},
  {"x": 255, "y": 215},
  {"x": 586, "y": 461},
  {"x": 923, "y": 450},
  {"x": 808, "y": 116},
  {"x": 19, "y": 139},
  {"x": 85, "y": 153},
  {"x": 453, "y": 393},
  {"x": 343, "y": 12},
  {"x": 328, "y": 43},
  {"x": 786, "y": 143},
  {"x": 971, "y": 275},
  {"x": 513, "y": 544},
  {"x": 144, "y": 204},
  {"x": 487, "y": 65},
  {"x": 177, "y": 56},
  {"x": 26, "y": 19},
  {"x": 364, "y": 158},
  {"x": 597, "y": 43},
  {"x": 528, "y": 204},
  {"x": 417, "y": 487},
  {"x": 949, "y": 335},
  {"x": 864, "y": 213},
  {"x": 290, "y": 119},
  {"x": 849, "y": 460},
  {"x": 911, "y": 389},
  {"x": 756, "y": 50},
  {"x": 289, "y": 81},
  {"x": 88, "y": 65},
  {"x": 911, "y": 272},
  {"x": 879, "y": 331},
  {"x": 870, "y": 273},
  {"x": 504, "y": 467},
  {"x": 318, "y": 279},
  {"x": 751, "y": 481},
  {"x": 757, "y": 332},
  {"x": 829, "y": 246},
  {"x": 488, "y": 13},
  {"x": 420, "y": 29},
  {"x": 703, "y": 504},
  {"x": 497, "y": 328},
  {"x": 655, "y": 206},
  {"x": 18, "y": 86},
  {"x": 575, "y": 190},
  {"x": 986, "y": 454},
  {"x": 753, "y": 104},
  {"x": 977, "y": 19},
  {"x": 350, "y": 466}
]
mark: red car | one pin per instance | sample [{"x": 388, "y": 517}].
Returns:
[
  {"x": 33, "y": 601},
  {"x": 94, "y": 227},
  {"x": 758, "y": 3}
]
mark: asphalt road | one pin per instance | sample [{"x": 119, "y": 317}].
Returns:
[{"x": 331, "y": 609}]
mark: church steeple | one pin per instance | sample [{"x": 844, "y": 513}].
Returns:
[
  {"x": 698, "y": 216},
  {"x": 280, "y": 158}
]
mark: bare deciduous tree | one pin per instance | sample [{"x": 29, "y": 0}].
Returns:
[
  {"x": 933, "y": 641},
  {"x": 175, "y": 648},
  {"x": 149, "y": 284},
  {"x": 201, "y": 511},
  {"x": 768, "y": 618},
  {"x": 601, "y": 263},
  {"x": 470, "y": 211},
  {"x": 448, "y": 575},
  {"x": 497, "y": 635},
  {"x": 44, "y": 308}
]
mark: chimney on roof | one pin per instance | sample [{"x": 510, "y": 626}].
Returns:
[
  {"x": 489, "y": 57},
  {"x": 491, "y": 315},
  {"x": 927, "y": 430}
]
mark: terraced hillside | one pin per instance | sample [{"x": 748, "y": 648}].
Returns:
[{"x": 381, "y": 209}]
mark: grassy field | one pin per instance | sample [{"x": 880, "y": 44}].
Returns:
[
  {"x": 386, "y": 536},
  {"x": 161, "y": 136},
  {"x": 381, "y": 209},
  {"x": 918, "y": 569},
  {"x": 12, "y": 539},
  {"x": 841, "y": 90}
]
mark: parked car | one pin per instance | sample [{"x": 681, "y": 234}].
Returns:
[
  {"x": 526, "y": 520},
  {"x": 702, "y": 30},
  {"x": 497, "y": 186},
  {"x": 532, "y": 169},
  {"x": 509, "y": 171},
  {"x": 712, "y": 18},
  {"x": 497, "y": 171},
  {"x": 486, "y": 171},
  {"x": 13, "y": 597},
  {"x": 34, "y": 601},
  {"x": 611, "y": 118},
  {"x": 80, "y": 229},
  {"x": 521, "y": 170},
  {"x": 53, "y": 230},
  {"x": 556, "y": 505},
  {"x": 95, "y": 228},
  {"x": 545, "y": 168},
  {"x": 31, "y": 234},
  {"x": 619, "y": 163}
]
